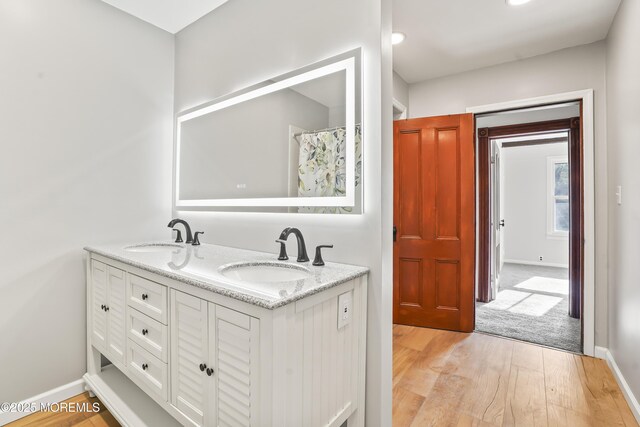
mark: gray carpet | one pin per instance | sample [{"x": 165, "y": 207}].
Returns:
[{"x": 532, "y": 305}]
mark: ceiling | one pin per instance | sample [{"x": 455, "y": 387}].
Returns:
[
  {"x": 446, "y": 37},
  {"x": 170, "y": 15}
]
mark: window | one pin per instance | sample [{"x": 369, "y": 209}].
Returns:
[{"x": 558, "y": 204}]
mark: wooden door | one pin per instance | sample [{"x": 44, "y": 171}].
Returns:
[
  {"x": 497, "y": 221},
  {"x": 189, "y": 350},
  {"x": 116, "y": 320},
  {"x": 234, "y": 347},
  {"x": 98, "y": 302},
  {"x": 434, "y": 220}
]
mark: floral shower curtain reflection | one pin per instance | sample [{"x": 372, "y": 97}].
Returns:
[{"x": 322, "y": 167}]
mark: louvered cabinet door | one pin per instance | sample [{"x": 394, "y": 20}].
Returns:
[
  {"x": 116, "y": 319},
  {"x": 98, "y": 301},
  {"x": 233, "y": 347},
  {"x": 189, "y": 349}
]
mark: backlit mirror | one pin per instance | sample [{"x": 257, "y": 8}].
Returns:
[{"x": 291, "y": 144}]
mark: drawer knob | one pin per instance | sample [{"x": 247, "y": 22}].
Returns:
[
  {"x": 106, "y": 308},
  {"x": 210, "y": 371},
  {"x": 203, "y": 367},
  {"x": 145, "y": 297},
  {"x": 145, "y": 331},
  {"x": 102, "y": 307},
  {"x": 144, "y": 366}
]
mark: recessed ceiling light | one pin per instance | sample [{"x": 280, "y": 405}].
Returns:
[
  {"x": 397, "y": 38},
  {"x": 517, "y": 2}
]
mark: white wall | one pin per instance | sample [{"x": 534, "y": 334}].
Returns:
[
  {"x": 246, "y": 144},
  {"x": 86, "y": 133},
  {"x": 218, "y": 55},
  {"x": 525, "y": 200},
  {"x": 623, "y": 127},
  {"x": 577, "y": 68}
]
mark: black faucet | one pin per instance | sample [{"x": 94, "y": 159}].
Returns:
[
  {"x": 186, "y": 227},
  {"x": 302, "y": 248}
]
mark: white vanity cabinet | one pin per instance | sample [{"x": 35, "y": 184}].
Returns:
[
  {"x": 214, "y": 352},
  {"x": 108, "y": 309},
  {"x": 189, "y": 353}
]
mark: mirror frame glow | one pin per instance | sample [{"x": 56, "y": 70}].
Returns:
[{"x": 346, "y": 65}]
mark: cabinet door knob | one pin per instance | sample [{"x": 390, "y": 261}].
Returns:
[
  {"x": 144, "y": 366},
  {"x": 106, "y": 308},
  {"x": 145, "y": 296},
  {"x": 203, "y": 367},
  {"x": 102, "y": 307},
  {"x": 209, "y": 371},
  {"x": 145, "y": 331}
]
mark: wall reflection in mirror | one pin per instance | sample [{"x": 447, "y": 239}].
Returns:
[{"x": 291, "y": 144}]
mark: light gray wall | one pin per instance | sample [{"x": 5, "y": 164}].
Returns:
[
  {"x": 577, "y": 68},
  {"x": 248, "y": 144},
  {"x": 235, "y": 47},
  {"x": 401, "y": 90},
  {"x": 86, "y": 133},
  {"x": 525, "y": 200},
  {"x": 623, "y": 127}
]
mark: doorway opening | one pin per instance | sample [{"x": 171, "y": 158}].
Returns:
[
  {"x": 530, "y": 225},
  {"x": 442, "y": 253}
]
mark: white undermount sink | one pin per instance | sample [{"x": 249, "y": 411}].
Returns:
[
  {"x": 154, "y": 248},
  {"x": 264, "y": 272}
]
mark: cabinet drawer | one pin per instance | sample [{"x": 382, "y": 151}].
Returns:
[
  {"x": 148, "y": 368},
  {"x": 148, "y": 297},
  {"x": 147, "y": 333}
]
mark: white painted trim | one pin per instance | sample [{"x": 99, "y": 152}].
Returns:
[
  {"x": 55, "y": 395},
  {"x": 552, "y": 233},
  {"x": 601, "y": 352},
  {"x": 539, "y": 263},
  {"x": 400, "y": 108},
  {"x": 631, "y": 399},
  {"x": 586, "y": 96}
]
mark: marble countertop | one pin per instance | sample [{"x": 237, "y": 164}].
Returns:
[{"x": 201, "y": 266}]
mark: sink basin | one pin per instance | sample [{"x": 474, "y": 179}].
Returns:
[
  {"x": 154, "y": 248},
  {"x": 265, "y": 272}
]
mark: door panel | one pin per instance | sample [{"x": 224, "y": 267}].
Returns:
[
  {"x": 411, "y": 213},
  {"x": 189, "y": 385},
  {"x": 445, "y": 152},
  {"x": 434, "y": 198},
  {"x": 99, "y": 299},
  {"x": 233, "y": 344},
  {"x": 116, "y": 339},
  {"x": 447, "y": 284},
  {"x": 411, "y": 272}
]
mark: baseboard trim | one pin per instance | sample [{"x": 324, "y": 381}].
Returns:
[
  {"x": 540, "y": 263},
  {"x": 601, "y": 352},
  {"x": 626, "y": 390},
  {"x": 55, "y": 395}
]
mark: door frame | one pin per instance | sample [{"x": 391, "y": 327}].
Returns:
[
  {"x": 486, "y": 229},
  {"x": 588, "y": 199}
]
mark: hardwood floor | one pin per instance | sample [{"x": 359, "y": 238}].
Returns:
[
  {"x": 102, "y": 418},
  {"x": 443, "y": 378}
]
